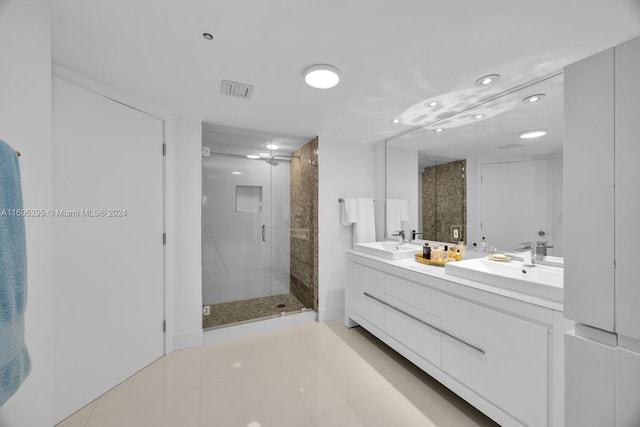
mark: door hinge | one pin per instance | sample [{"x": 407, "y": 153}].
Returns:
[
  {"x": 164, "y": 149},
  {"x": 164, "y": 326},
  {"x": 164, "y": 238}
]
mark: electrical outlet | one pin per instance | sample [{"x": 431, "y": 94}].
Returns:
[
  {"x": 455, "y": 233},
  {"x": 206, "y": 310}
]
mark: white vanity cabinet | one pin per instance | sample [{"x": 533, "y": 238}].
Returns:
[
  {"x": 508, "y": 363},
  {"x": 601, "y": 197},
  {"x": 496, "y": 352},
  {"x": 364, "y": 295},
  {"x": 410, "y": 317}
]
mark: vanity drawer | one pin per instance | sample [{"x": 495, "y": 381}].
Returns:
[
  {"x": 366, "y": 290},
  {"x": 413, "y": 293},
  {"x": 414, "y": 328},
  {"x": 509, "y": 364}
]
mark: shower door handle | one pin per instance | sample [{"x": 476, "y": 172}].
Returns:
[{"x": 264, "y": 233}]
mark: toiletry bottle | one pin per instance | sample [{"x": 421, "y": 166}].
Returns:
[
  {"x": 426, "y": 251},
  {"x": 452, "y": 252},
  {"x": 458, "y": 255},
  {"x": 463, "y": 249}
]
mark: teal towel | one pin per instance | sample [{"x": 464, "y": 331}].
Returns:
[{"x": 14, "y": 358}]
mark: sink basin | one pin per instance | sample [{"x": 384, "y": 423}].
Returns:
[
  {"x": 541, "y": 281},
  {"x": 388, "y": 250}
]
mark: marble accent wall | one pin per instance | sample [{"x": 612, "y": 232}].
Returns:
[
  {"x": 304, "y": 224},
  {"x": 444, "y": 201}
]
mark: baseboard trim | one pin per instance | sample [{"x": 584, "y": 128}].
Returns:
[
  {"x": 187, "y": 340},
  {"x": 331, "y": 313}
]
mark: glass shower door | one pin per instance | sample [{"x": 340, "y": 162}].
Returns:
[
  {"x": 245, "y": 238},
  {"x": 236, "y": 238}
]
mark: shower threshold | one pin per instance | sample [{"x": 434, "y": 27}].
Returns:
[{"x": 251, "y": 310}]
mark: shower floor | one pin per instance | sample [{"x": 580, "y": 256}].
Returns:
[{"x": 228, "y": 313}]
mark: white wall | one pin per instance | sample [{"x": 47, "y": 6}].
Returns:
[
  {"x": 184, "y": 247},
  {"x": 345, "y": 170},
  {"x": 25, "y": 123}
]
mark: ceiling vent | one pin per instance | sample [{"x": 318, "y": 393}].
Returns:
[
  {"x": 510, "y": 146},
  {"x": 239, "y": 90}
]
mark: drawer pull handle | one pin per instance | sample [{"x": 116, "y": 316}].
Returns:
[{"x": 478, "y": 349}]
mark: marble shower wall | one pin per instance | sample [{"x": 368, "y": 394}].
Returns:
[
  {"x": 304, "y": 224},
  {"x": 444, "y": 201}
]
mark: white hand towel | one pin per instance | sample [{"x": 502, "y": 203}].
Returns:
[
  {"x": 365, "y": 226},
  {"x": 397, "y": 213},
  {"x": 349, "y": 212}
]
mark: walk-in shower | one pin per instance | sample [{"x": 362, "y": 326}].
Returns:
[{"x": 249, "y": 270}]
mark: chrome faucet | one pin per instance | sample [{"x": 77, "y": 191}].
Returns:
[
  {"x": 541, "y": 249},
  {"x": 526, "y": 250},
  {"x": 414, "y": 234},
  {"x": 400, "y": 235}
]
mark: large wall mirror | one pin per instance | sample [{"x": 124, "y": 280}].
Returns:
[{"x": 468, "y": 174}]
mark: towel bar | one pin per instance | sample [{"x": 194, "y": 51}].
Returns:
[{"x": 340, "y": 200}]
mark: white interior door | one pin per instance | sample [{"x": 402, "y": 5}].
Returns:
[
  {"x": 108, "y": 263},
  {"x": 513, "y": 203}
]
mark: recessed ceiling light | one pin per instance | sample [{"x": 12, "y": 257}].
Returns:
[
  {"x": 395, "y": 121},
  {"x": 207, "y": 36},
  {"x": 479, "y": 116},
  {"x": 487, "y": 80},
  {"x": 271, "y": 146},
  {"x": 432, "y": 104},
  {"x": 534, "y": 98},
  {"x": 236, "y": 173},
  {"x": 438, "y": 130},
  {"x": 322, "y": 76},
  {"x": 536, "y": 133},
  {"x": 252, "y": 156}
]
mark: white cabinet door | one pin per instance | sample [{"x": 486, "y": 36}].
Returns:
[
  {"x": 588, "y": 191},
  {"x": 627, "y": 388},
  {"x": 589, "y": 383},
  {"x": 366, "y": 290},
  {"x": 627, "y": 191},
  {"x": 512, "y": 372},
  {"x": 411, "y": 317}
]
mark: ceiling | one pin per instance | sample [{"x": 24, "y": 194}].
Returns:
[{"x": 393, "y": 56}]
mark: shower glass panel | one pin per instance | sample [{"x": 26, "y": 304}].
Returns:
[{"x": 245, "y": 236}]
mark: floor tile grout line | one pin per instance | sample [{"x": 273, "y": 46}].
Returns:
[
  {"x": 295, "y": 388},
  {"x": 146, "y": 402}
]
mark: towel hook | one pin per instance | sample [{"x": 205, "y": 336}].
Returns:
[{"x": 18, "y": 153}]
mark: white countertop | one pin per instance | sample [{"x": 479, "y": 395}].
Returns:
[{"x": 410, "y": 264}]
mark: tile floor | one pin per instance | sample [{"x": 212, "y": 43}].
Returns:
[{"x": 309, "y": 375}]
